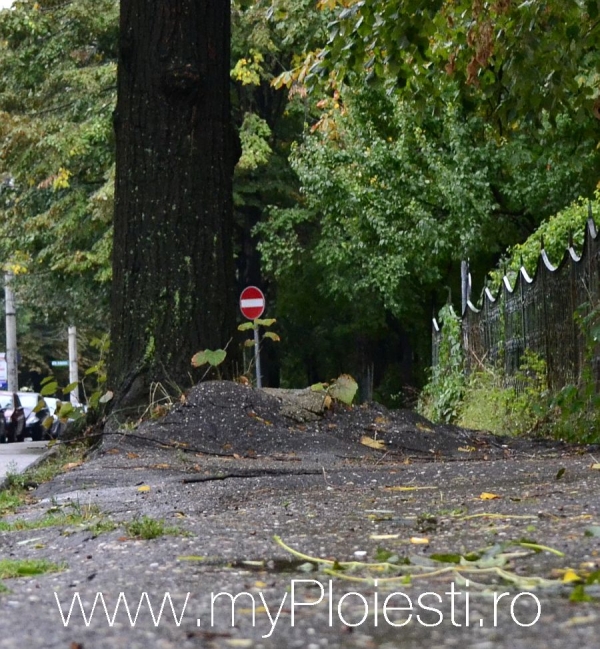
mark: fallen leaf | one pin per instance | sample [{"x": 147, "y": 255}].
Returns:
[
  {"x": 419, "y": 540},
  {"x": 132, "y": 456},
  {"x": 144, "y": 488},
  {"x": 595, "y": 467},
  {"x": 407, "y": 488},
  {"x": 383, "y": 537},
  {"x": 467, "y": 449},
  {"x": 560, "y": 473},
  {"x": 570, "y": 576},
  {"x": 421, "y": 426},
  {"x": 489, "y": 496},
  {"x": 581, "y": 619},
  {"x": 377, "y": 444},
  {"x": 71, "y": 465}
]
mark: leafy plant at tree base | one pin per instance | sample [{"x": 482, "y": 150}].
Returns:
[
  {"x": 212, "y": 357},
  {"x": 215, "y": 357},
  {"x": 441, "y": 397},
  {"x": 254, "y": 326}
]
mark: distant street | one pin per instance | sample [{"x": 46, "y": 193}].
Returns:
[{"x": 18, "y": 456}]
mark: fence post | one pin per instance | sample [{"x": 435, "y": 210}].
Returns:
[
  {"x": 544, "y": 270},
  {"x": 464, "y": 285},
  {"x": 574, "y": 306}
]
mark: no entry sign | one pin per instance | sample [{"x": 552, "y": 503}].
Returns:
[{"x": 252, "y": 302}]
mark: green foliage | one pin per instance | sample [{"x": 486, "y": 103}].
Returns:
[
  {"x": 254, "y": 138},
  {"x": 393, "y": 197},
  {"x": 575, "y": 409},
  {"x": 148, "y": 528},
  {"x": 343, "y": 389},
  {"x": 213, "y": 358},
  {"x": 441, "y": 397},
  {"x": 58, "y": 71},
  {"x": 555, "y": 233},
  {"x": 516, "y": 405},
  {"x": 15, "y": 568},
  {"x": 507, "y": 58}
]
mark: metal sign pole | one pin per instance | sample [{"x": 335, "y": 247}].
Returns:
[
  {"x": 252, "y": 306},
  {"x": 257, "y": 357},
  {"x": 11, "y": 333},
  {"x": 73, "y": 366}
]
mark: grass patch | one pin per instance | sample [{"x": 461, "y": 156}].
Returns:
[
  {"x": 10, "y": 500},
  {"x": 150, "y": 528},
  {"x": 13, "y": 568},
  {"x": 17, "y": 492},
  {"x": 87, "y": 516}
]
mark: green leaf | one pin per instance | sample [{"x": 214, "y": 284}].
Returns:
[
  {"x": 446, "y": 558},
  {"x": 210, "y": 356},
  {"x": 65, "y": 409},
  {"x": 266, "y": 322},
  {"x": 593, "y": 578},
  {"x": 106, "y": 397},
  {"x": 49, "y": 388},
  {"x": 272, "y": 335},
  {"x": 383, "y": 556},
  {"x": 579, "y": 594},
  {"x": 249, "y": 343},
  {"x": 246, "y": 326},
  {"x": 47, "y": 380},
  {"x": 318, "y": 387},
  {"x": 344, "y": 389},
  {"x": 70, "y": 387},
  {"x": 560, "y": 473}
]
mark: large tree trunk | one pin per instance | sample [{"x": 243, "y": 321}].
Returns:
[{"x": 173, "y": 271}]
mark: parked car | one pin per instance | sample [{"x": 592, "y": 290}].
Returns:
[
  {"x": 25, "y": 415},
  {"x": 12, "y": 421}
]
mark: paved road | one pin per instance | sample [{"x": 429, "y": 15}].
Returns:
[{"x": 19, "y": 456}]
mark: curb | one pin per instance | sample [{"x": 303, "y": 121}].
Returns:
[{"x": 38, "y": 460}]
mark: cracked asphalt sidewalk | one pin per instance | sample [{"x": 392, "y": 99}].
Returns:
[{"x": 311, "y": 550}]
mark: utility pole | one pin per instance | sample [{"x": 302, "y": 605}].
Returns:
[
  {"x": 73, "y": 366},
  {"x": 11, "y": 333}
]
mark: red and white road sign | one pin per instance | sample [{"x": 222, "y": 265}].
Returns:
[{"x": 252, "y": 302}]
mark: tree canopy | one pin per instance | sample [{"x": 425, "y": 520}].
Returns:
[{"x": 380, "y": 144}]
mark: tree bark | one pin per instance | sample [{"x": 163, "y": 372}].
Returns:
[{"x": 173, "y": 270}]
